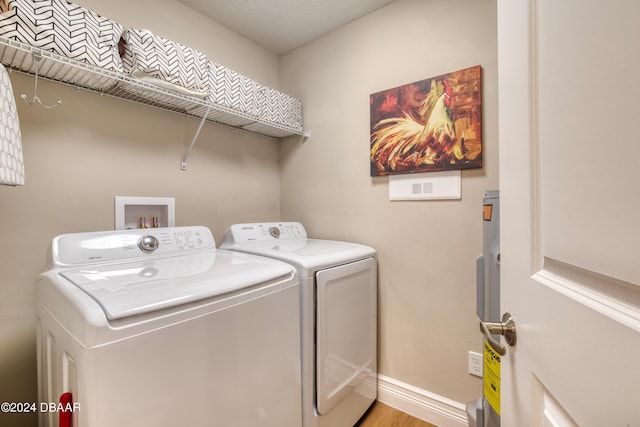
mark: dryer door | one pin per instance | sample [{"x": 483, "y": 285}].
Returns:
[{"x": 346, "y": 330}]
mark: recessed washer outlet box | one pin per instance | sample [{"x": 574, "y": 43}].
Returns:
[{"x": 130, "y": 210}]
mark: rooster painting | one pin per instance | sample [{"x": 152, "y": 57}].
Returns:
[{"x": 430, "y": 125}]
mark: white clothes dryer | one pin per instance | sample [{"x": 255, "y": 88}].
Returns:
[
  {"x": 156, "y": 327},
  {"x": 338, "y": 283}
]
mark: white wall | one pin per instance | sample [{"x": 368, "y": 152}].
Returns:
[{"x": 427, "y": 250}]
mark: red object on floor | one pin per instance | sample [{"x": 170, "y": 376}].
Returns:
[{"x": 65, "y": 414}]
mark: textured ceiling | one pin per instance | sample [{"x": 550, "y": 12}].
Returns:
[{"x": 281, "y": 25}]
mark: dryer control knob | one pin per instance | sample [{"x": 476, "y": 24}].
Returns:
[
  {"x": 275, "y": 232},
  {"x": 148, "y": 244}
]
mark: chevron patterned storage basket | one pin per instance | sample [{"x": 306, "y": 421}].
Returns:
[
  {"x": 233, "y": 90},
  {"x": 11, "y": 161},
  {"x": 240, "y": 93},
  {"x": 65, "y": 29},
  {"x": 278, "y": 107},
  {"x": 164, "y": 63}
]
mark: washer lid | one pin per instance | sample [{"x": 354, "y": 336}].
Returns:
[
  {"x": 127, "y": 289},
  {"x": 307, "y": 255}
]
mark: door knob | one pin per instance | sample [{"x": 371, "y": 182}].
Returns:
[{"x": 507, "y": 328}]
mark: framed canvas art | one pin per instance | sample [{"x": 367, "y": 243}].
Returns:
[{"x": 429, "y": 125}]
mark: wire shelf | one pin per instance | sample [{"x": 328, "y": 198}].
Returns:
[{"x": 24, "y": 58}]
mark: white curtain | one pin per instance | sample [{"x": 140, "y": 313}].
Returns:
[{"x": 11, "y": 162}]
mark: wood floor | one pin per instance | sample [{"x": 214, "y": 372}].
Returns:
[{"x": 381, "y": 415}]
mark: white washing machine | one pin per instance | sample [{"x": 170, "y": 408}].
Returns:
[
  {"x": 156, "y": 327},
  {"x": 338, "y": 283}
]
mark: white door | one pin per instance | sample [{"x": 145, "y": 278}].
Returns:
[{"x": 569, "y": 109}]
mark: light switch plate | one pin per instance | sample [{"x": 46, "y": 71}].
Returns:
[{"x": 425, "y": 186}]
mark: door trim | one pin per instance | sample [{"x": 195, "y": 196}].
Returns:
[{"x": 613, "y": 298}]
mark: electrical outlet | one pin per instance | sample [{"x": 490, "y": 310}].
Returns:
[{"x": 475, "y": 364}]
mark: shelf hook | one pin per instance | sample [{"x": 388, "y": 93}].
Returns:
[{"x": 36, "y": 61}]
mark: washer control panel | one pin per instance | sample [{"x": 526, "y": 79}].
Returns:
[
  {"x": 120, "y": 245},
  {"x": 264, "y": 232},
  {"x": 148, "y": 243},
  {"x": 275, "y": 232}
]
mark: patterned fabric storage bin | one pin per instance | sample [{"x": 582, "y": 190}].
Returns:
[
  {"x": 66, "y": 29},
  {"x": 278, "y": 107},
  {"x": 233, "y": 90},
  {"x": 11, "y": 161},
  {"x": 240, "y": 93},
  {"x": 164, "y": 63}
]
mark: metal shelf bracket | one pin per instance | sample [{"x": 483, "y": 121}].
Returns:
[
  {"x": 305, "y": 136},
  {"x": 183, "y": 165}
]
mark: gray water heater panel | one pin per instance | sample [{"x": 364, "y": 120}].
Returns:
[{"x": 488, "y": 264}]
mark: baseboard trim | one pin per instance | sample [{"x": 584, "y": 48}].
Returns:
[{"x": 423, "y": 404}]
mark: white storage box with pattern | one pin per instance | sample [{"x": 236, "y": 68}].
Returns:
[
  {"x": 278, "y": 107},
  {"x": 258, "y": 104},
  {"x": 233, "y": 90},
  {"x": 65, "y": 29},
  {"x": 155, "y": 60}
]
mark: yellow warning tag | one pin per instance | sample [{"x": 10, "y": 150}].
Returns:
[{"x": 492, "y": 377}]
